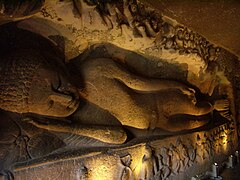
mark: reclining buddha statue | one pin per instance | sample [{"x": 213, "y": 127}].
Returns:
[
  {"x": 36, "y": 82},
  {"x": 109, "y": 89}
]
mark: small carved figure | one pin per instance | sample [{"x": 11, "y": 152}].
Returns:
[
  {"x": 205, "y": 148},
  {"x": 127, "y": 173},
  {"x": 208, "y": 145},
  {"x": 198, "y": 147},
  {"x": 191, "y": 152},
  {"x": 148, "y": 164},
  {"x": 183, "y": 155},
  {"x": 164, "y": 164},
  {"x": 175, "y": 159}
]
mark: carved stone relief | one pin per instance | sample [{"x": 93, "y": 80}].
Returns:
[
  {"x": 76, "y": 105},
  {"x": 161, "y": 159}
]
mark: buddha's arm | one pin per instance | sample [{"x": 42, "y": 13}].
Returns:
[
  {"x": 134, "y": 61},
  {"x": 131, "y": 59},
  {"x": 107, "y": 134},
  {"x": 142, "y": 84},
  {"x": 152, "y": 85}
]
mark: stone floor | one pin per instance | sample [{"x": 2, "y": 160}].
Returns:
[{"x": 232, "y": 173}]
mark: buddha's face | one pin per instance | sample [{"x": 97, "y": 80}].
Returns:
[{"x": 52, "y": 94}]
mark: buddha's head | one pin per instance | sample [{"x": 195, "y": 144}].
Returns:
[{"x": 35, "y": 84}]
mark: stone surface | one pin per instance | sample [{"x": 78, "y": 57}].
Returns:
[
  {"x": 218, "y": 21},
  {"x": 178, "y": 157},
  {"x": 157, "y": 99}
]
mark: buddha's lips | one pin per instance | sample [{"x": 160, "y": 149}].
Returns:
[{"x": 74, "y": 103}]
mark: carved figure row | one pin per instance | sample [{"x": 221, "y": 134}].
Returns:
[
  {"x": 163, "y": 162},
  {"x": 146, "y": 22}
]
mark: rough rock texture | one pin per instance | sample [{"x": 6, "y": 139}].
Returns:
[
  {"x": 12, "y": 10},
  {"x": 153, "y": 47},
  {"x": 28, "y": 78},
  {"x": 179, "y": 157},
  {"x": 218, "y": 21}
]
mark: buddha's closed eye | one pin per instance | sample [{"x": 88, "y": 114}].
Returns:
[{"x": 63, "y": 93}]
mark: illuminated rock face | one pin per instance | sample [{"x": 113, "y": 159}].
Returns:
[
  {"x": 173, "y": 157},
  {"x": 138, "y": 96}
]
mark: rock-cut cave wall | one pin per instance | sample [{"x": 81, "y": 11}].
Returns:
[{"x": 112, "y": 90}]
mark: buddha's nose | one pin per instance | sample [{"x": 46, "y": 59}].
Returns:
[
  {"x": 62, "y": 99},
  {"x": 68, "y": 88}
]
